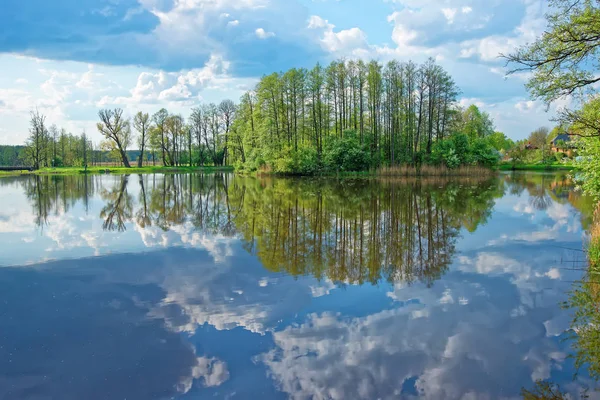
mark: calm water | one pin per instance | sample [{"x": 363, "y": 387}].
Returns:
[{"x": 215, "y": 286}]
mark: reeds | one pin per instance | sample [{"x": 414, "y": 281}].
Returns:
[{"x": 432, "y": 170}]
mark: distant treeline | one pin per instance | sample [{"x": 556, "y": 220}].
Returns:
[{"x": 16, "y": 156}]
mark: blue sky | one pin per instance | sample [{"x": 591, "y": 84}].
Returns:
[{"x": 69, "y": 58}]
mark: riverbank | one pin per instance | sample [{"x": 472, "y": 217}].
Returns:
[
  {"x": 536, "y": 167},
  {"x": 398, "y": 171},
  {"x": 116, "y": 170}
]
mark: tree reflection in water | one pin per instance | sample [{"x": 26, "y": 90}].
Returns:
[{"x": 349, "y": 231}]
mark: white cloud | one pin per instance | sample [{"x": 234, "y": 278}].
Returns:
[
  {"x": 262, "y": 34},
  {"x": 172, "y": 87},
  {"x": 449, "y": 14},
  {"x": 211, "y": 371},
  {"x": 345, "y": 42}
]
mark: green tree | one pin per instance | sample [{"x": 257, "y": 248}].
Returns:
[
  {"x": 141, "y": 123},
  {"x": 563, "y": 59},
  {"x": 116, "y": 130},
  {"x": 500, "y": 141},
  {"x": 539, "y": 137}
]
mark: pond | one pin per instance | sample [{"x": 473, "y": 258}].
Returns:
[{"x": 222, "y": 286}]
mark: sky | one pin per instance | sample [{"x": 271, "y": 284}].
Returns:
[{"x": 70, "y": 58}]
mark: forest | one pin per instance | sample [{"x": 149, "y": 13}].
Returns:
[{"x": 348, "y": 116}]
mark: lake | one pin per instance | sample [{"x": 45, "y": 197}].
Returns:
[{"x": 222, "y": 286}]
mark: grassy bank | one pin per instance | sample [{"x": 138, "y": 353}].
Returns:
[
  {"x": 535, "y": 167},
  {"x": 392, "y": 171},
  {"x": 115, "y": 170}
]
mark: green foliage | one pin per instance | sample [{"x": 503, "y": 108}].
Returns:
[
  {"x": 500, "y": 141},
  {"x": 482, "y": 153},
  {"x": 459, "y": 151},
  {"x": 304, "y": 161},
  {"x": 444, "y": 153},
  {"x": 589, "y": 165},
  {"x": 561, "y": 57},
  {"x": 539, "y": 138},
  {"x": 346, "y": 154},
  {"x": 474, "y": 123},
  {"x": 559, "y": 156},
  {"x": 461, "y": 146}
]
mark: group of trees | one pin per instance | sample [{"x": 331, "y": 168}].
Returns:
[
  {"x": 351, "y": 115},
  {"x": 348, "y": 116},
  {"x": 47, "y": 146},
  {"x": 162, "y": 137}
]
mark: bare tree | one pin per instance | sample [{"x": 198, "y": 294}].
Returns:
[
  {"x": 141, "y": 123},
  {"x": 35, "y": 150},
  {"x": 117, "y": 130}
]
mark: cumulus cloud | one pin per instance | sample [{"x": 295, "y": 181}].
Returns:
[
  {"x": 346, "y": 41},
  {"x": 184, "y": 86},
  {"x": 262, "y": 34}
]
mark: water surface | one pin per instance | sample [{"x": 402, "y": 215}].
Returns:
[{"x": 217, "y": 286}]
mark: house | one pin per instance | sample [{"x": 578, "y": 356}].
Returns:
[
  {"x": 530, "y": 146},
  {"x": 563, "y": 143}
]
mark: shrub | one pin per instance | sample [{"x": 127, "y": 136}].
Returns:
[
  {"x": 304, "y": 161},
  {"x": 461, "y": 148},
  {"x": 444, "y": 153},
  {"x": 482, "y": 153},
  {"x": 346, "y": 154}
]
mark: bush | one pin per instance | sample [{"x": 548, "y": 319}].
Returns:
[
  {"x": 346, "y": 154},
  {"x": 482, "y": 153},
  {"x": 444, "y": 153},
  {"x": 559, "y": 156},
  {"x": 461, "y": 148},
  {"x": 304, "y": 161}
]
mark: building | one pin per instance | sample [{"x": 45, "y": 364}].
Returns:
[{"x": 563, "y": 144}]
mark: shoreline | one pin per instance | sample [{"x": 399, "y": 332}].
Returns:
[
  {"x": 372, "y": 174},
  {"x": 536, "y": 167},
  {"x": 115, "y": 170}
]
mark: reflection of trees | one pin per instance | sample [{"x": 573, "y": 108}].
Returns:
[
  {"x": 56, "y": 195},
  {"x": 584, "y": 300},
  {"x": 118, "y": 208},
  {"x": 200, "y": 199},
  {"x": 358, "y": 230},
  {"x": 536, "y": 185},
  {"x": 348, "y": 231},
  {"x": 544, "y": 189}
]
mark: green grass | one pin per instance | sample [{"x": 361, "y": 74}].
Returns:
[
  {"x": 535, "y": 167},
  {"x": 115, "y": 170}
]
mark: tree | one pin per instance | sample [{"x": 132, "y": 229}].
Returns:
[
  {"x": 53, "y": 135},
  {"x": 500, "y": 141},
  {"x": 160, "y": 119},
  {"x": 476, "y": 124},
  {"x": 116, "y": 129},
  {"x": 35, "y": 146},
  {"x": 539, "y": 137},
  {"x": 562, "y": 60},
  {"x": 84, "y": 148},
  {"x": 227, "y": 109},
  {"x": 141, "y": 123}
]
